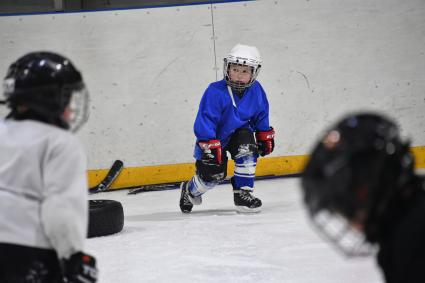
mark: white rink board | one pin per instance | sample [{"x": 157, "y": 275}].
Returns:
[
  {"x": 324, "y": 58},
  {"x": 146, "y": 69}
]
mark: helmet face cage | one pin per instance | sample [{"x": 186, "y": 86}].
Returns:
[
  {"x": 79, "y": 108},
  {"x": 352, "y": 171},
  {"x": 237, "y": 85},
  {"x": 348, "y": 240}
]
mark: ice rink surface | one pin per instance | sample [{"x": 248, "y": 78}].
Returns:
[{"x": 216, "y": 244}]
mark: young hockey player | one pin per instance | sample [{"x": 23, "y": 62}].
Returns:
[
  {"x": 362, "y": 193},
  {"x": 232, "y": 111},
  {"x": 43, "y": 185}
]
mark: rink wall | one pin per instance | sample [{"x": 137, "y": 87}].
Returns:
[{"x": 146, "y": 70}]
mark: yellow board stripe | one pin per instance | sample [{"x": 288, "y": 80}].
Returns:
[
  {"x": 419, "y": 153},
  {"x": 282, "y": 165}
]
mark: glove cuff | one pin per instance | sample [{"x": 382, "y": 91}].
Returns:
[
  {"x": 208, "y": 145},
  {"x": 265, "y": 135}
]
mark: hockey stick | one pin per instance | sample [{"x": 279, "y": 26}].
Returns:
[
  {"x": 110, "y": 177},
  {"x": 176, "y": 185}
]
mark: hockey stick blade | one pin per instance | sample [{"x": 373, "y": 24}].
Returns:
[
  {"x": 110, "y": 177},
  {"x": 154, "y": 188}
]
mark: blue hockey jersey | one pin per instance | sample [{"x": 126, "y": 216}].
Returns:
[{"x": 221, "y": 113}]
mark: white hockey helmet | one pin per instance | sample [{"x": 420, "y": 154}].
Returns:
[{"x": 246, "y": 56}]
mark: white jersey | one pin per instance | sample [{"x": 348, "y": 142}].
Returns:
[{"x": 43, "y": 187}]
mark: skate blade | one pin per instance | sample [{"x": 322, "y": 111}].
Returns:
[{"x": 244, "y": 209}]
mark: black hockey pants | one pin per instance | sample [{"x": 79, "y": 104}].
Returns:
[{"x": 21, "y": 264}]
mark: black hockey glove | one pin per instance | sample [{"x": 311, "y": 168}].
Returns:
[
  {"x": 80, "y": 268},
  {"x": 211, "y": 152},
  {"x": 265, "y": 141}
]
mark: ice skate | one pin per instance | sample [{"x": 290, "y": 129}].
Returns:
[
  {"x": 246, "y": 202},
  {"x": 187, "y": 200}
]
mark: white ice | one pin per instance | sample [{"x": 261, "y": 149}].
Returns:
[{"x": 216, "y": 244}]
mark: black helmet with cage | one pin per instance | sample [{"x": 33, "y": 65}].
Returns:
[
  {"x": 42, "y": 86},
  {"x": 355, "y": 172}
]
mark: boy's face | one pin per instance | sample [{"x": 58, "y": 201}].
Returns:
[{"x": 240, "y": 74}]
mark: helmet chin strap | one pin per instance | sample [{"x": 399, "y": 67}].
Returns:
[{"x": 231, "y": 96}]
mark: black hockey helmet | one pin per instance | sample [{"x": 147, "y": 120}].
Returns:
[
  {"x": 41, "y": 85},
  {"x": 353, "y": 174}
]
